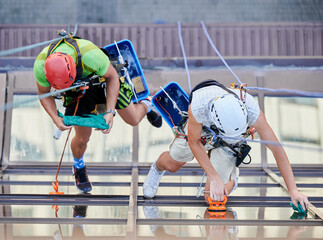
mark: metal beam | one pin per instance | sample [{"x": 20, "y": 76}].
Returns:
[
  {"x": 132, "y": 208},
  {"x": 315, "y": 212},
  {"x": 117, "y": 221}
]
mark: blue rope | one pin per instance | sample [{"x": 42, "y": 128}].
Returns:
[
  {"x": 272, "y": 143},
  {"x": 184, "y": 55},
  {"x": 295, "y": 92}
]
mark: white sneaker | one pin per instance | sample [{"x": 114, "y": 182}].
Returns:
[
  {"x": 151, "y": 212},
  {"x": 151, "y": 183}
]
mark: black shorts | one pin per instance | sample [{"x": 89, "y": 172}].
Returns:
[{"x": 96, "y": 95}]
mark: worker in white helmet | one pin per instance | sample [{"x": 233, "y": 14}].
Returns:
[{"x": 230, "y": 115}]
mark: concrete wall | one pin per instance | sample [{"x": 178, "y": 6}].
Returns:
[
  {"x": 158, "y": 11},
  {"x": 162, "y": 40}
]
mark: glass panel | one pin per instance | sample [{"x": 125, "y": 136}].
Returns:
[
  {"x": 98, "y": 189},
  {"x": 52, "y": 231},
  {"x": 231, "y": 232},
  {"x": 297, "y": 121},
  {"x": 153, "y": 141},
  {"x": 35, "y": 142},
  {"x": 239, "y": 213},
  {"x": 39, "y": 211}
]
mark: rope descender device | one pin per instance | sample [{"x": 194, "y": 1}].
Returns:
[
  {"x": 217, "y": 209},
  {"x": 63, "y": 33},
  {"x": 242, "y": 88}
]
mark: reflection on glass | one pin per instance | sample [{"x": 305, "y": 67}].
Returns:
[
  {"x": 215, "y": 231},
  {"x": 297, "y": 121},
  {"x": 50, "y": 231},
  {"x": 32, "y": 137},
  {"x": 77, "y": 231},
  {"x": 153, "y": 141},
  {"x": 46, "y": 211}
]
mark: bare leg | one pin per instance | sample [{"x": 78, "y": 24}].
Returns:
[
  {"x": 80, "y": 140},
  {"x": 229, "y": 185},
  {"x": 134, "y": 113},
  {"x": 78, "y": 146},
  {"x": 166, "y": 162}
]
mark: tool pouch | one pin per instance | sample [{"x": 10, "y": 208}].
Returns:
[{"x": 244, "y": 151}]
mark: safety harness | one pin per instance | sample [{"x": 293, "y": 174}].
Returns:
[
  {"x": 72, "y": 43},
  {"x": 211, "y": 134},
  {"x": 85, "y": 83}
]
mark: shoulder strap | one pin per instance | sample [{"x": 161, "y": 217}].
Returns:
[
  {"x": 72, "y": 43},
  {"x": 210, "y": 82}
]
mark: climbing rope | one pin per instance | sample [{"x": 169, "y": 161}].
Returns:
[
  {"x": 25, "y": 48},
  {"x": 243, "y": 86},
  {"x": 219, "y": 54},
  {"x": 55, "y": 185},
  {"x": 184, "y": 55}
]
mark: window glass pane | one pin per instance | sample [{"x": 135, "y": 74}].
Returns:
[
  {"x": 32, "y": 137},
  {"x": 297, "y": 122},
  {"x": 153, "y": 141}
]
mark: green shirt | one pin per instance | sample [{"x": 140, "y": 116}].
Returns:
[{"x": 94, "y": 60}]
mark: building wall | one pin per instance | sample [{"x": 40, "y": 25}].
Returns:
[
  {"x": 153, "y": 41},
  {"x": 158, "y": 11}
]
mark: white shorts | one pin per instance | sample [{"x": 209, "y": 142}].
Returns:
[{"x": 222, "y": 162}]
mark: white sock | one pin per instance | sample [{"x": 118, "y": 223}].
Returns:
[
  {"x": 148, "y": 104},
  {"x": 159, "y": 172}
]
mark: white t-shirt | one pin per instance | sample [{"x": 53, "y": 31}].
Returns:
[{"x": 202, "y": 98}]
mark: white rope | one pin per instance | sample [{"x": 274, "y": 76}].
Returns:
[
  {"x": 7, "y": 106},
  {"x": 21, "y": 49},
  {"x": 295, "y": 92},
  {"x": 184, "y": 55},
  {"x": 219, "y": 54}
]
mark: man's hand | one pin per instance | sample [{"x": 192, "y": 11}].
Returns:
[
  {"x": 298, "y": 197},
  {"x": 109, "y": 120},
  {"x": 59, "y": 122},
  {"x": 266, "y": 133},
  {"x": 217, "y": 189}
]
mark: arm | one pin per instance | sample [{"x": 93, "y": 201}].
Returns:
[
  {"x": 50, "y": 107},
  {"x": 217, "y": 187},
  {"x": 112, "y": 88},
  {"x": 266, "y": 133}
]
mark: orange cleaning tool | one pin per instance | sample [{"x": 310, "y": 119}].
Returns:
[
  {"x": 217, "y": 209},
  {"x": 55, "y": 186}
]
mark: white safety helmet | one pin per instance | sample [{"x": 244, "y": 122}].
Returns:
[{"x": 229, "y": 114}]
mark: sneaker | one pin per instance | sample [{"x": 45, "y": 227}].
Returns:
[
  {"x": 82, "y": 181},
  {"x": 152, "y": 115},
  {"x": 154, "y": 118},
  {"x": 151, "y": 183},
  {"x": 79, "y": 211},
  {"x": 151, "y": 212}
]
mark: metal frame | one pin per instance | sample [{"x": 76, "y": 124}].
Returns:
[
  {"x": 133, "y": 201},
  {"x": 14, "y": 85}
]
